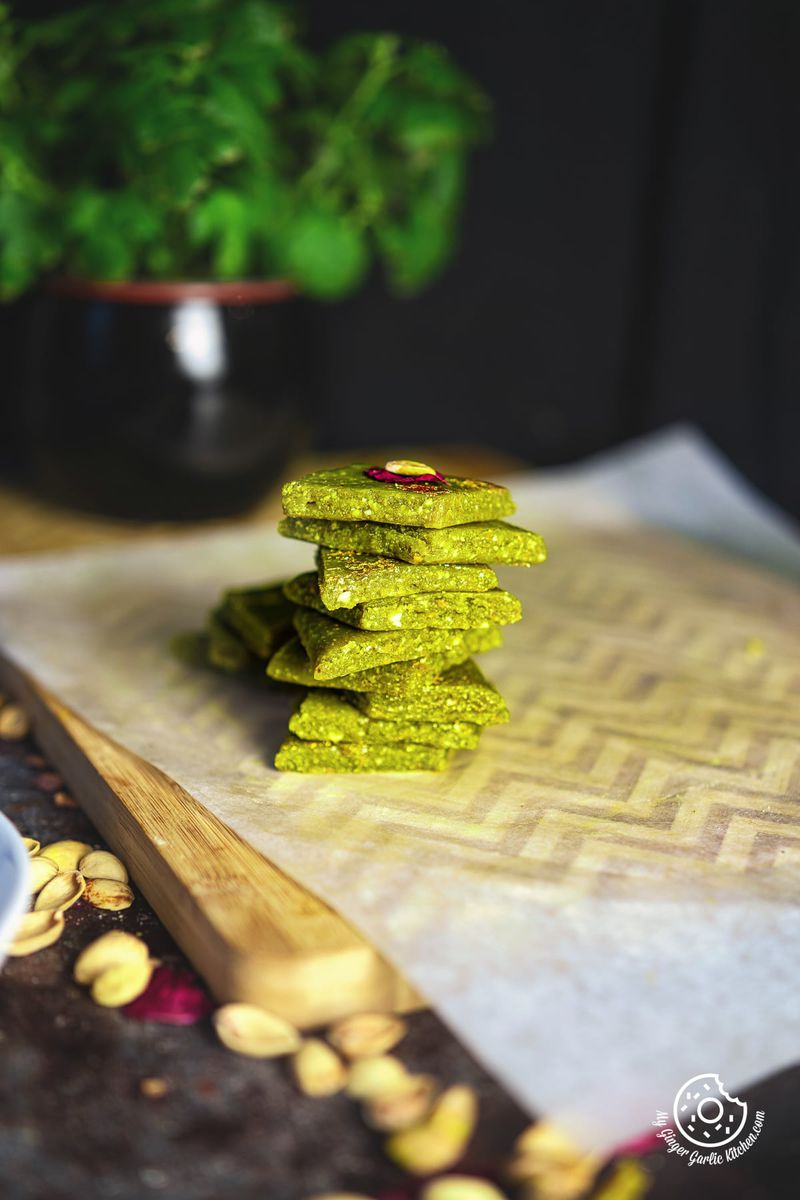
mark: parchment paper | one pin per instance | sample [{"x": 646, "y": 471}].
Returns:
[{"x": 602, "y": 900}]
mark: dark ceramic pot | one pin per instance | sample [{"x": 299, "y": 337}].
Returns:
[{"x": 163, "y": 401}]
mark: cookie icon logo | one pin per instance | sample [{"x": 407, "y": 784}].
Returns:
[{"x": 705, "y": 1114}]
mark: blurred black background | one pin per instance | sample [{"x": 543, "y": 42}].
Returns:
[{"x": 630, "y": 250}]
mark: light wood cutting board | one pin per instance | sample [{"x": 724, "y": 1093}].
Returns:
[{"x": 252, "y": 932}]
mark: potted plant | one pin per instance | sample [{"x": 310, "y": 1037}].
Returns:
[{"x": 174, "y": 174}]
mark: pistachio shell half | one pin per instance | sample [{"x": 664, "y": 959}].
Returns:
[{"x": 248, "y": 1029}]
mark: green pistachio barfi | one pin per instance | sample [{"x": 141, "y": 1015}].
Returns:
[
  {"x": 477, "y": 542},
  {"x": 461, "y": 693},
  {"x": 347, "y": 579},
  {"x": 290, "y": 664},
  {"x": 350, "y": 758},
  {"x": 262, "y": 616},
  {"x": 225, "y": 650},
  {"x": 328, "y": 716},
  {"x": 428, "y": 610},
  {"x": 348, "y": 494},
  {"x": 336, "y": 649}
]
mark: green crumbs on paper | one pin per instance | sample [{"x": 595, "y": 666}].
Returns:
[
  {"x": 481, "y": 542},
  {"x": 290, "y": 664},
  {"x": 348, "y": 758},
  {"x": 380, "y": 635},
  {"x": 428, "y": 610},
  {"x": 347, "y": 578},
  {"x": 333, "y": 717},
  {"x": 348, "y": 494}
]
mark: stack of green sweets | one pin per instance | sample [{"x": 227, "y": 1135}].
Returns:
[{"x": 385, "y": 627}]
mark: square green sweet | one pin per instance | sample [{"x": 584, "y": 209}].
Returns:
[
  {"x": 225, "y": 650},
  {"x": 336, "y": 649},
  {"x": 477, "y": 542},
  {"x": 350, "y": 758},
  {"x": 428, "y": 610},
  {"x": 261, "y": 616},
  {"x": 348, "y": 494},
  {"x": 461, "y": 693},
  {"x": 331, "y": 716},
  {"x": 347, "y": 578},
  {"x": 290, "y": 664}
]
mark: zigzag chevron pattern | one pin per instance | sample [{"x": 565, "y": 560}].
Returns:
[{"x": 655, "y": 734}]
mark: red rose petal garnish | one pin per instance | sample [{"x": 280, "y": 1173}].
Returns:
[
  {"x": 384, "y": 476},
  {"x": 172, "y": 997}
]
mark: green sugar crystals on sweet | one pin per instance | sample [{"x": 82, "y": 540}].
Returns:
[
  {"x": 261, "y": 616},
  {"x": 290, "y": 664},
  {"x": 479, "y": 542},
  {"x": 336, "y": 649},
  {"x": 225, "y": 650},
  {"x": 348, "y": 494},
  {"x": 329, "y": 716},
  {"x": 349, "y": 758},
  {"x": 461, "y": 693},
  {"x": 428, "y": 610},
  {"x": 347, "y": 578}
]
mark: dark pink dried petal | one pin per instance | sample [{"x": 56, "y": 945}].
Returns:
[
  {"x": 48, "y": 781},
  {"x": 173, "y": 997},
  {"x": 384, "y": 476}
]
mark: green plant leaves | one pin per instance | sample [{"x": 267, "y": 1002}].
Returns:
[
  {"x": 324, "y": 253},
  {"x": 202, "y": 138}
]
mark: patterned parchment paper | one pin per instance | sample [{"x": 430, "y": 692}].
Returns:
[{"x": 602, "y": 901}]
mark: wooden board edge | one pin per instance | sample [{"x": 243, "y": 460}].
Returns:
[{"x": 307, "y": 985}]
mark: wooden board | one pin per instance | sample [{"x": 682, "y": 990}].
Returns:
[{"x": 249, "y": 930}]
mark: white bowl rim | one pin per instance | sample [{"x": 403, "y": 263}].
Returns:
[{"x": 16, "y": 902}]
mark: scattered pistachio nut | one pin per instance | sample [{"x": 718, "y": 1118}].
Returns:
[
  {"x": 372, "y": 1077},
  {"x": 40, "y": 871},
  {"x": 366, "y": 1035},
  {"x": 61, "y": 891},
  {"x": 407, "y": 466},
  {"x": 36, "y": 930},
  {"x": 460, "y": 1187},
  {"x": 111, "y": 894},
  {"x": 317, "y": 1069},
  {"x": 67, "y": 854},
  {"x": 14, "y": 723},
  {"x": 153, "y": 1087},
  {"x": 561, "y": 1183},
  {"x": 102, "y": 864},
  {"x": 629, "y": 1180},
  {"x": 548, "y": 1144},
  {"x": 64, "y": 800},
  {"x": 439, "y": 1141},
  {"x": 32, "y": 846},
  {"x": 110, "y": 950},
  {"x": 550, "y": 1165},
  {"x": 121, "y": 983},
  {"x": 402, "y": 1108},
  {"x": 248, "y": 1029}
]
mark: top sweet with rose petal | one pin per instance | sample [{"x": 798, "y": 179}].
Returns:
[{"x": 402, "y": 492}]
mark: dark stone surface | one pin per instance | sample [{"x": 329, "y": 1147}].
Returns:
[{"x": 74, "y": 1121}]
